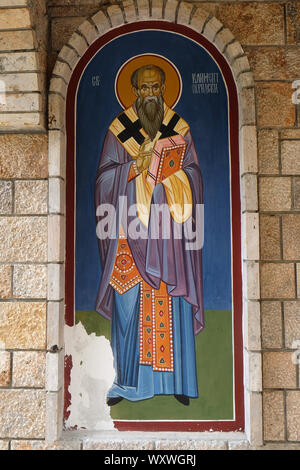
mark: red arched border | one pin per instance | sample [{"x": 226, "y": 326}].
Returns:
[{"x": 184, "y": 426}]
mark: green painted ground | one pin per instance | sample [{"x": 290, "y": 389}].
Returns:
[{"x": 215, "y": 374}]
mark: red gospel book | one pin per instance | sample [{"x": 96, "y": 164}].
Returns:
[{"x": 167, "y": 158}]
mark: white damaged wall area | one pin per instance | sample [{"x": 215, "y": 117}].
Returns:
[{"x": 92, "y": 375}]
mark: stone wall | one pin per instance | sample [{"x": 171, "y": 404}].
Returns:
[{"x": 32, "y": 33}]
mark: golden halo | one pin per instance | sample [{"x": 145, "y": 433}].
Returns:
[{"x": 123, "y": 87}]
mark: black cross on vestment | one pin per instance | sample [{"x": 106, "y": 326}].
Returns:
[
  {"x": 132, "y": 129},
  {"x": 168, "y": 130}
]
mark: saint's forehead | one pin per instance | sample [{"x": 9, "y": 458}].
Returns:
[{"x": 149, "y": 76}]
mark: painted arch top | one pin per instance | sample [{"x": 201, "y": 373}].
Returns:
[{"x": 131, "y": 11}]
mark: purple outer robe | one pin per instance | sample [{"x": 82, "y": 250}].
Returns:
[{"x": 156, "y": 259}]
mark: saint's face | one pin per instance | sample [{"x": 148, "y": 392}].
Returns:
[{"x": 149, "y": 83}]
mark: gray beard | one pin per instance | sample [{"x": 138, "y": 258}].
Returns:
[{"x": 150, "y": 114}]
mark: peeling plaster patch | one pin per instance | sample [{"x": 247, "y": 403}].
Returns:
[{"x": 92, "y": 375}]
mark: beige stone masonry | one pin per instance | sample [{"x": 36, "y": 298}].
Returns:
[
  {"x": 55, "y": 325},
  {"x": 23, "y": 325},
  {"x": 274, "y": 429},
  {"x": 5, "y": 281},
  {"x": 5, "y": 368},
  {"x": 30, "y": 281},
  {"x": 28, "y": 369},
  {"x": 271, "y": 321},
  {"x": 22, "y": 414}
]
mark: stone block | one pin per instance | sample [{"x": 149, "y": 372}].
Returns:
[
  {"x": 23, "y": 156},
  {"x": 277, "y": 280},
  {"x": 21, "y": 102},
  {"x": 129, "y": 10},
  {"x": 16, "y": 18},
  {"x": 251, "y": 276},
  {"x": 43, "y": 445},
  {"x": 63, "y": 70},
  {"x": 268, "y": 151},
  {"x": 89, "y": 31},
  {"x": 296, "y": 193},
  {"x": 5, "y": 197},
  {"x": 69, "y": 55},
  {"x": 271, "y": 324},
  {"x": 270, "y": 237},
  {"x": 293, "y": 415},
  {"x": 251, "y": 325},
  {"x": 62, "y": 30},
  {"x": 16, "y": 40},
  {"x": 144, "y": 9},
  {"x": 56, "y": 196},
  {"x": 254, "y": 23},
  {"x": 293, "y": 134},
  {"x": 18, "y": 62},
  {"x": 290, "y": 157},
  {"x": 22, "y": 414},
  {"x": 199, "y": 19},
  {"x": 57, "y": 157},
  {"x": 290, "y": 236},
  {"x": 56, "y": 117},
  {"x": 273, "y": 406},
  {"x": 58, "y": 85},
  {"x": 116, "y": 15},
  {"x": 233, "y": 51},
  {"x": 30, "y": 281},
  {"x": 184, "y": 13},
  {"x": 54, "y": 417},
  {"x": 250, "y": 240},
  {"x": 292, "y": 323},
  {"x": 79, "y": 44},
  {"x": 248, "y": 138},
  {"x": 245, "y": 80},
  {"x": 195, "y": 444},
  {"x": 274, "y": 104},
  {"x": 275, "y": 194},
  {"x": 247, "y": 105},
  {"x": 223, "y": 38},
  {"x": 55, "y": 282},
  {"x": 20, "y": 82},
  {"x": 31, "y": 197},
  {"x": 298, "y": 279},
  {"x": 5, "y": 281},
  {"x": 279, "y": 371},
  {"x": 253, "y": 422},
  {"x": 274, "y": 63},
  {"x": 249, "y": 192},
  {"x": 239, "y": 445},
  {"x": 157, "y": 9},
  {"x": 101, "y": 22},
  {"x": 54, "y": 371},
  {"x": 55, "y": 325},
  {"x": 19, "y": 121},
  {"x": 56, "y": 238},
  {"x": 23, "y": 239},
  {"x": 240, "y": 65},
  {"x": 4, "y": 445},
  {"x": 23, "y": 325},
  {"x": 253, "y": 370},
  {"x": 5, "y": 369},
  {"x": 28, "y": 369},
  {"x": 293, "y": 22}
]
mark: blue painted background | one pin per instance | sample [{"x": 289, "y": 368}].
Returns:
[{"x": 207, "y": 116}]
